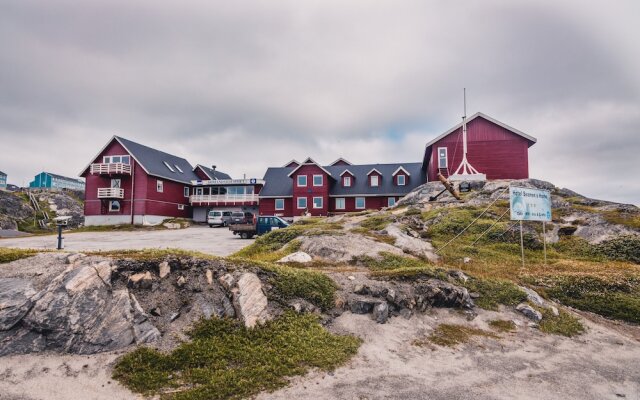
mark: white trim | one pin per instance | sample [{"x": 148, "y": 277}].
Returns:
[
  {"x": 275, "y": 197},
  {"x": 309, "y": 161},
  {"x": 345, "y": 171},
  {"x": 374, "y": 170},
  {"x": 181, "y": 207},
  {"x": 355, "y": 203},
  {"x": 111, "y": 206},
  {"x": 276, "y": 202},
  {"x": 313, "y": 202},
  {"x": 306, "y": 181},
  {"x": 401, "y": 168},
  {"x": 344, "y": 178},
  {"x": 292, "y": 161},
  {"x": 389, "y": 199},
  {"x": 306, "y": 203},
  {"x": 377, "y": 181},
  {"x": 313, "y": 180},
  {"x": 186, "y": 190},
  {"x": 488, "y": 118},
  {"x": 404, "y": 180},
  {"x": 159, "y": 186},
  {"x": 338, "y": 160},
  {"x": 446, "y": 158},
  {"x": 344, "y": 203}
]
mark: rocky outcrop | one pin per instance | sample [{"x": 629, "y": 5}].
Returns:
[
  {"x": 411, "y": 244},
  {"x": 12, "y": 210},
  {"x": 249, "y": 300},
  {"x": 344, "y": 248},
  {"x": 297, "y": 257}
]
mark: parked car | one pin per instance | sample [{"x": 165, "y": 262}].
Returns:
[
  {"x": 218, "y": 218},
  {"x": 264, "y": 224},
  {"x": 239, "y": 217}
]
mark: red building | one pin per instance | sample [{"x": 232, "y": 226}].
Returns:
[{"x": 494, "y": 149}]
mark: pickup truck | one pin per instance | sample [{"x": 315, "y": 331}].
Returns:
[{"x": 264, "y": 224}]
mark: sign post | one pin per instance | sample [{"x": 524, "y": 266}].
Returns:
[{"x": 530, "y": 205}]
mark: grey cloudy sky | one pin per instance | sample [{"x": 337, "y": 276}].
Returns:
[{"x": 251, "y": 84}]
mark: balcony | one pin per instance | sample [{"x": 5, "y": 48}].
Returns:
[
  {"x": 224, "y": 199},
  {"x": 110, "y": 193},
  {"x": 111, "y": 169}
]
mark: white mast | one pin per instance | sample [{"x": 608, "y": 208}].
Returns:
[{"x": 465, "y": 171}]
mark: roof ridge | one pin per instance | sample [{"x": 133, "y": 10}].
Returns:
[{"x": 150, "y": 148}]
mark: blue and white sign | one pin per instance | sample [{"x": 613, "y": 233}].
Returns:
[{"x": 530, "y": 204}]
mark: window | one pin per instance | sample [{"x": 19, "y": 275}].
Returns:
[
  {"x": 442, "y": 157},
  {"x": 340, "y": 203},
  {"x": 114, "y": 206},
  {"x": 116, "y": 183},
  {"x": 186, "y": 191},
  {"x": 168, "y": 166},
  {"x": 126, "y": 159},
  {"x": 116, "y": 159},
  {"x": 391, "y": 201},
  {"x": 401, "y": 180},
  {"x": 346, "y": 181},
  {"x": 317, "y": 202},
  {"x": 180, "y": 206},
  {"x": 302, "y": 203},
  {"x": 279, "y": 204},
  {"x": 360, "y": 203},
  {"x": 302, "y": 180},
  {"x": 317, "y": 180},
  {"x": 375, "y": 180},
  {"x": 159, "y": 186}
]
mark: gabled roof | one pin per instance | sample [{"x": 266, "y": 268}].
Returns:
[
  {"x": 2, "y": 173},
  {"x": 213, "y": 174},
  {"x": 288, "y": 165},
  {"x": 340, "y": 160},
  {"x": 374, "y": 170},
  {"x": 345, "y": 171},
  {"x": 400, "y": 168},
  {"x": 488, "y": 118},
  {"x": 309, "y": 161},
  {"x": 153, "y": 161},
  {"x": 279, "y": 184}
]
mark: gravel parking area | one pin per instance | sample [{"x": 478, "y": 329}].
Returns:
[{"x": 216, "y": 241}]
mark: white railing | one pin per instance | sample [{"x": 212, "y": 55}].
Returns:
[
  {"x": 112, "y": 168},
  {"x": 223, "y": 198},
  {"x": 110, "y": 193}
]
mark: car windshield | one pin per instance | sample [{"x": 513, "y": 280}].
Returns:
[
  {"x": 238, "y": 214},
  {"x": 215, "y": 213}
]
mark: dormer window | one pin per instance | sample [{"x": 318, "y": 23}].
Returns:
[
  {"x": 400, "y": 176},
  {"x": 401, "y": 180},
  {"x": 375, "y": 180},
  {"x": 346, "y": 181}
]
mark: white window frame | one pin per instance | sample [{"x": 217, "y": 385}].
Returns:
[
  {"x": 446, "y": 158},
  {"x": 404, "y": 180},
  {"x": 180, "y": 206},
  {"x": 344, "y": 203},
  {"x": 276, "y": 205},
  {"x": 109, "y": 159},
  {"x": 111, "y": 209},
  {"x": 314, "y": 202},
  {"x": 377, "y": 180},
  {"x": 364, "y": 203},
  {"x": 159, "y": 186},
  {"x": 346, "y": 182},
  {"x": 298, "y": 206},
  {"x": 298, "y": 180},
  {"x": 116, "y": 183},
  {"x": 186, "y": 191},
  {"x": 391, "y": 201},
  {"x": 321, "y": 180}
]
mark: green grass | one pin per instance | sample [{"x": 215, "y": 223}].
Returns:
[
  {"x": 412, "y": 211},
  {"x": 378, "y": 237},
  {"x": 563, "y": 324},
  {"x": 494, "y": 292},
  {"x": 8, "y": 255},
  {"x": 224, "y": 360},
  {"x": 153, "y": 254},
  {"x": 502, "y": 325},
  {"x": 451, "y": 335},
  {"x": 630, "y": 220},
  {"x": 376, "y": 222}
]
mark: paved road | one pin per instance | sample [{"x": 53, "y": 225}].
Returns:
[{"x": 216, "y": 241}]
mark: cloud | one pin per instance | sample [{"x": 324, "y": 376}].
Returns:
[{"x": 253, "y": 84}]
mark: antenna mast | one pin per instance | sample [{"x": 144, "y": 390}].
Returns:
[{"x": 465, "y": 171}]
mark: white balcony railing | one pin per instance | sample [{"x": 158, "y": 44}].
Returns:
[
  {"x": 111, "y": 169},
  {"x": 110, "y": 193},
  {"x": 223, "y": 198}
]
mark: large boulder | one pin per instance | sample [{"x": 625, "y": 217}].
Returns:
[
  {"x": 297, "y": 257},
  {"x": 411, "y": 244},
  {"x": 344, "y": 248},
  {"x": 15, "y": 301},
  {"x": 437, "y": 293},
  {"x": 249, "y": 300}
]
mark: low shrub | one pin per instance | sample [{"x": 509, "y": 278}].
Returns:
[
  {"x": 494, "y": 292},
  {"x": 451, "y": 335},
  {"x": 376, "y": 222},
  {"x": 8, "y": 255},
  {"x": 502, "y": 325},
  {"x": 313, "y": 286},
  {"x": 563, "y": 324}
]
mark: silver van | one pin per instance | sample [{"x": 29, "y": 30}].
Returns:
[{"x": 218, "y": 218}]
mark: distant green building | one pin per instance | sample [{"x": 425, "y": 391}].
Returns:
[
  {"x": 47, "y": 180},
  {"x": 3, "y": 181}
]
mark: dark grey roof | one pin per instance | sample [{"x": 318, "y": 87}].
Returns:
[
  {"x": 213, "y": 174},
  {"x": 277, "y": 183},
  {"x": 65, "y": 178},
  {"x": 2, "y": 173},
  {"x": 153, "y": 160}
]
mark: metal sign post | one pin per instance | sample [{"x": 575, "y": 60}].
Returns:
[{"x": 530, "y": 205}]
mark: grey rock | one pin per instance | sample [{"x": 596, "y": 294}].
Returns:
[
  {"x": 555, "y": 311},
  {"x": 227, "y": 281},
  {"x": 381, "y": 313},
  {"x": 345, "y": 248},
  {"x": 437, "y": 293},
  {"x": 533, "y": 297},
  {"x": 302, "y": 306},
  {"x": 362, "y": 305},
  {"x": 181, "y": 281},
  {"x": 361, "y": 289},
  {"x": 249, "y": 300},
  {"x": 529, "y": 312},
  {"x": 15, "y": 301},
  {"x": 209, "y": 277},
  {"x": 143, "y": 280},
  {"x": 459, "y": 275},
  {"x": 297, "y": 257},
  {"x": 164, "y": 269},
  {"x": 411, "y": 244}
]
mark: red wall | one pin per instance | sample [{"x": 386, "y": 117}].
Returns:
[
  {"x": 492, "y": 150},
  {"x": 310, "y": 191},
  {"x": 268, "y": 207}
]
